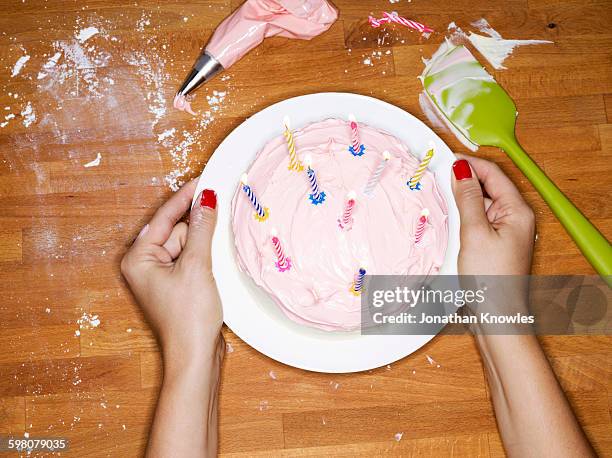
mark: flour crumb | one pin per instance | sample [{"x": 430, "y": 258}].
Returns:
[
  {"x": 85, "y": 34},
  {"x": 19, "y": 65},
  {"x": 263, "y": 405},
  {"x": 95, "y": 162},
  {"x": 229, "y": 348},
  {"x": 398, "y": 436},
  {"x": 272, "y": 375}
]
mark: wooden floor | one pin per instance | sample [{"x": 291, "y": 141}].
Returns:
[{"x": 77, "y": 358}]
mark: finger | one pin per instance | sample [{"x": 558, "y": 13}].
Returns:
[
  {"x": 166, "y": 217},
  {"x": 202, "y": 221},
  {"x": 176, "y": 242},
  {"x": 468, "y": 195},
  {"x": 495, "y": 182},
  {"x": 487, "y": 204}
]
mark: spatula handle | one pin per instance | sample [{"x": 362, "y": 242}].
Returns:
[{"x": 591, "y": 242}]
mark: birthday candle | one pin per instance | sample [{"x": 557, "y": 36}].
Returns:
[
  {"x": 347, "y": 216},
  {"x": 414, "y": 182},
  {"x": 294, "y": 162},
  {"x": 377, "y": 173},
  {"x": 261, "y": 213},
  {"x": 418, "y": 236},
  {"x": 317, "y": 196},
  {"x": 282, "y": 263},
  {"x": 356, "y": 148},
  {"x": 394, "y": 17},
  {"x": 358, "y": 283}
]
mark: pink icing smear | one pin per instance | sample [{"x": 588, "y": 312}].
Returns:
[
  {"x": 258, "y": 19},
  {"x": 325, "y": 259},
  {"x": 181, "y": 103}
]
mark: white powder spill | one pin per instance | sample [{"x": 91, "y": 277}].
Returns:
[
  {"x": 154, "y": 76},
  {"x": 398, "y": 436},
  {"x": 19, "y": 65},
  {"x": 263, "y": 405},
  {"x": 95, "y": 162},
  {"x": 166, "y": 134},
  {"x": 334, "y": 385},
  {"x": 85, "y": 34},
  {"x": 144, "y": 21},
  {"x": 29, "y": 116},
  {"x": 229, "y": 348},
  {"x": 52, "y": 62},
  {"x": 88, "y": 321},
  {"x": 272, "y": 375},
  {"x": 182, "y": 146}
]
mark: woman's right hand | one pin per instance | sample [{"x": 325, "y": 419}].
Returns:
[{"x": 497, "y": 232}]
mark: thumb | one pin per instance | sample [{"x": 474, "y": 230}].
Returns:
[
  {"x": 468, "y": 195},
  {"x": 202, "y": 221}
]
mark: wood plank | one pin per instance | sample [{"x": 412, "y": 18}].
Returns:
[
  {"x": 343, "y": 426},
  {"x": 10, "y": 245},
  {"x": 12, "y": 415},
  {"x": 70, "y": 375},
  {"x": 460, "y": 446}
]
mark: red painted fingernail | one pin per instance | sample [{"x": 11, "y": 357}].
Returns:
[
  {"x": 208, "y": 199},
  {"x": 461, "y": 169}
]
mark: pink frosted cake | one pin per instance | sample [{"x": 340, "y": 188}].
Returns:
[{"x": 306, "y": 250}]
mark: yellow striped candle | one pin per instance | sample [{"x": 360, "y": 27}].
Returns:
[
  {"x": 294, "y": 162},
  {"x": 414, "y": 182}
]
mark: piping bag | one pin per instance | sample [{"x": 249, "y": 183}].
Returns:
[
  {"x": 247, "y": 27},
  {"x": 472, "y": 101}
]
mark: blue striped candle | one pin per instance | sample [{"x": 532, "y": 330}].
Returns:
[
  {"x": 317, "y": 196},
  {"x": 249, "y": 192},
  {"x": 359, "y": 280}
]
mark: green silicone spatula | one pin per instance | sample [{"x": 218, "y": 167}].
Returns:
[{"x": 485, "y": 114}]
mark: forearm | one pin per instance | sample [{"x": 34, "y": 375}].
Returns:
[
  {"x": 185, "y": 422},
  {"x": 533, "y": 414}
]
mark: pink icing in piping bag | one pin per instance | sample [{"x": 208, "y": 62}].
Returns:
[{"x": 247, "y": 27}]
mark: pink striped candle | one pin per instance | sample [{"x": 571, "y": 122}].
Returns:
[
  {"x": 357, "y": 148},
  {"x": 421, "y": 226},
  {"x": 346, "y": 221},
  {"x": 283, "y": 263},
  {"x": 396, "y": 18}
]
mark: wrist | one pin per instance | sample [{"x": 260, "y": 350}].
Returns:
[{"x": 193, "y": 355}]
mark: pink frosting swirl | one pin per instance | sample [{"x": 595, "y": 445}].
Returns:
[{"x": 316, "y": 290}]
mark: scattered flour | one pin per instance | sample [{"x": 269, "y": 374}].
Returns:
[
  {"x": 152, "y": 71},
  {"x": 95, "y": 162},
  {"x": 19, "y": 65},
  {"x": 88, "y": 321},
  {"x": 272, "y": 375},
  {"x": 229, "y": 348},
  {"x": 398, "y": 436},
  {"x": 166, "y": 134},
  {"x": 29, "y": 116}
]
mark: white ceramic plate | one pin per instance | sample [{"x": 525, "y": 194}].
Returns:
[{"x": 249, "y": 311}]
